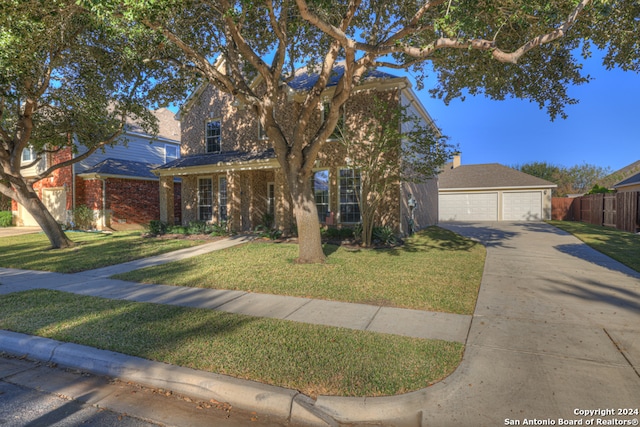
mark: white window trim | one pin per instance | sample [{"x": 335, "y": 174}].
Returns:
[
  {"x": 31, "y": 155},
  {"x": 339, "y": 213},
  {"x": 200, "y": 205},
  {"x": 206, "y": 135},
  {"x": 226, "y": 197},
  {"x": 328, "y": 204},
  {"x": 172, "y": 158}
]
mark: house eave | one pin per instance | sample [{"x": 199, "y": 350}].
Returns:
[
  {"x": 219, "y": 167},
  {"x": 501, "y": 188},
  {"x": 114, "y": 176}
]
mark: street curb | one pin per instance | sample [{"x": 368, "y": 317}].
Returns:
[
  {"x": 278, "y": 402},
  {"x": 286, "y": 404}
]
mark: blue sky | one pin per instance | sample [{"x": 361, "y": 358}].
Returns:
[{"x": 603, "y": 129}]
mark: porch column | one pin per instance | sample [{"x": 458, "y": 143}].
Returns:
[
  {"x": 167, "y": 214},
  {"x": 234, "y": 196}
]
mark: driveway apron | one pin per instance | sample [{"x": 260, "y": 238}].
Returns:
[{"x": 556, "y": 331}]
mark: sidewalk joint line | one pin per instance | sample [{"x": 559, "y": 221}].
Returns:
[
  {"x": 366, "y": 328},
  {"x": 622, "y": 352}
]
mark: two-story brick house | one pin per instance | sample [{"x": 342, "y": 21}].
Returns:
[
  {"x": 230, "y": 173},
  {"x": 116, "y": 184}
]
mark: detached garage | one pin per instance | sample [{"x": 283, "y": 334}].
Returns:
[{"x": 492, "y": 192}]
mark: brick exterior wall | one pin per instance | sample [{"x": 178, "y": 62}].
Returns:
[{"x": 247, "y": 189}]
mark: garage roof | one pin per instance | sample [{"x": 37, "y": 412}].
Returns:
[{"x": 492, "y": 175}]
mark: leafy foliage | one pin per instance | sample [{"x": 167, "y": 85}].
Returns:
[
  {"x": 577, "y": 179},
  {"x": 6, "y": 219},
  {"x": 68, "y": 80},
  {"x": 511, "y": 48}
]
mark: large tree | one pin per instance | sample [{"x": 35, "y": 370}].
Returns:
[
  {"x": 520, "y": 48},
  {"x": 389, "y": 145},
  {"x": 67, "y": 81}
]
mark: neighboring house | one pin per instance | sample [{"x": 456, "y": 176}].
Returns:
[
  {"x": 230, "y": 174},
  {"x": 492, "y": 192},
  {"x": 620, "y": 175},
  {"x": 116, "y": 184},
  {"x": 630, "y": 184}
]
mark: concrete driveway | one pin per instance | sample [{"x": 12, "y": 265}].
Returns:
[{"x": 556, "y": 332}]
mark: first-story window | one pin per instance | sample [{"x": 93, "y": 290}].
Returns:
[
  {"x": 205, "y": 199},
  {"x": 213, "y": 136},
  {"x": 222, "y": 198},
  {"x": 320, "y": 184},
  {"x": 349, "y": 194}
]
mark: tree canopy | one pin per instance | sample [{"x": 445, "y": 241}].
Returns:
[
  {"x": 67, "y": 80},
  {"x": 508, "y": 48},
  {"x": 577, "y": 179}
]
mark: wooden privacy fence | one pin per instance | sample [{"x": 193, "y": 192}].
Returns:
[{"x": 619, "y": 210}]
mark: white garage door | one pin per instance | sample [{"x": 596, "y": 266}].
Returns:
[
  {"x": 468, "y": 207},
  {"x": 522, "y": 206}
]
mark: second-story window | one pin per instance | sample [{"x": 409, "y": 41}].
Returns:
[
  {"x": 213, "y": 136},
  {"x": 171, "y": 152},
  {"x": 28, "y": 155}
]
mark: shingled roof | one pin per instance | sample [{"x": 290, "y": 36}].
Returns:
[
  {"x": 304, "y": 79},
  {"x": 492, "y": 175},
  {"x": 122, "y": 169},
  {"x": 224, "y": 158},
  {"x": 632, "y": 180}
]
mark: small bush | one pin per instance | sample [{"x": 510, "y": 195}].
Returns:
[
  {"x": 268, "y": 233},
  {"x": 384, "y": 236},
  {"x": 157, "y": 228},
  {"x": 219, "y": 229},
  {"x": 6, "y": 219},
  {"x": 176, "y": 229},
  {"x": 83, "y": 218},
  {"x": 198, "y": 227},
  {"x": 338, "y": 233}
]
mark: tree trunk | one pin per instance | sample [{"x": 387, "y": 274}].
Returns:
[
  {"x": 32, "y": 203},
  {"x": 306, "y": 213}
]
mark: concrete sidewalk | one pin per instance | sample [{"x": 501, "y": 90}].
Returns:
[{"x": 556, "y": 331}]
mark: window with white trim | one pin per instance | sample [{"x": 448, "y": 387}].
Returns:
[
  {"x": 349, "y": 194},
  {"x": 222, "y": 198},
  {"x": 28, "y": 155},
  {"x": 205, "y": 199},
  {"x": 213, "y": 136},
  {"x": 171, "y": 153},
  {"x": 320, "y": 185}
]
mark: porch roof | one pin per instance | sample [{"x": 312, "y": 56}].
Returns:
[
  {"x": 226, "y": 159},
  {"x": 119, "y": 168}
]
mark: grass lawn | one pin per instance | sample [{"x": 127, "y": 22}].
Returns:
[
  {"x": 91, "y": 250},
  {"x": 619, "y": 245},
  {"x": 436, "y": 270},
  {"x": 312, "y": 359}
]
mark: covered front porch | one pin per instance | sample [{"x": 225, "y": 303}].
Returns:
[{"x": 243, "y": 191}]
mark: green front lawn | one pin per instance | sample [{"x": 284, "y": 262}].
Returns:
[
  {"x": 435, "y": 270},
  {"x": 619, "y": 245},
  {"x": 91, "y": 250},
  {"x": 309, "y": 358}
]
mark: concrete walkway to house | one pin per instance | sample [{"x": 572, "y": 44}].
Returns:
[{"x": 556, "y": 332}]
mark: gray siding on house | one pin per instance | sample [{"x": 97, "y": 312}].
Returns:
[{"x": 138, "y": 148}]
